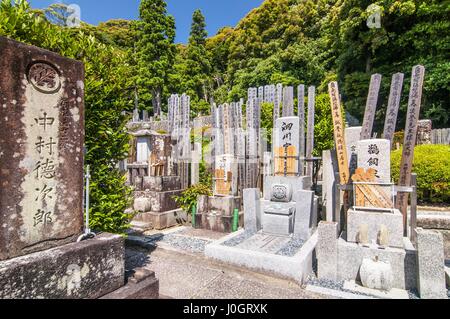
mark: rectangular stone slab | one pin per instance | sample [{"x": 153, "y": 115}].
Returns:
[
  {"x": 41, "y": 149},
  {"x": 86, "y": 270}
]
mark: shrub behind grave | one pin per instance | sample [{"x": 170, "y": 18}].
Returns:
[{"x": 432, "y": 166}]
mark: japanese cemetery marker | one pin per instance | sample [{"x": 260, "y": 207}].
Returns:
[
  {"x": 286, "y": 146},
  {"x": 339, "y": 133},
  {"x": 310, "y": 134},
  {"x": 412, "y": 118},
  {"x": 277, "y": 102},
  {"x": 302, "y": 118},
  {"x": 371, "y": 107},
  {"x": 41, "y": 149},
  {"x": 393, "y": 106}
]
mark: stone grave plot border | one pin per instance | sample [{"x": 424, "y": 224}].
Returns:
[{"x": 298, "y": 267}]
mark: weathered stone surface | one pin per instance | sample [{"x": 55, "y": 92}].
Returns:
[
  {"x": 160, "y": 201},
  {"x": 41, "y": 157},
  {"x": 278, "y": 218},
  {"x": 161, "y": 183},
  {"x": 431, "y": 264},
  {"x": 86, "y": 270},
  {"x": 376, "y": 275},
  {"x": 252, "y": 210},
  {"x": 376, "y": 154},
  {"x": 141, "y": 285},
  {"x": 224, "y": 205},
  {"x": 217, "y": 223},
  {"x": 424, "y": 130},
  {"x": 142, "y": 205},
  {"x": 202, "y": 204},
  {"x": 330, "y": 168},
  {"x": 402, "y": 261},
  {"x": 305, "y": 215},
  {"x": 281, "y": 193},
  {"x": 327, "y": 251},
  {"x": 297, "y": 183},
  {"x": 393, "y": 222},
  {"x": 352, "y": 137},
  {"x": 163, "y": 220}
]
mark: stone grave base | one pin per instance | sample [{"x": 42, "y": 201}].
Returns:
[
  {"x": 266, "y": 253},
  {"x": 392, "y": 294},
  {"x": 216, "y": 222},
  {"x": 142, "y": 285},
  {"x": 403, "y": 262},
  {"x": 392, "y": 221},
  {"x": 162, "y": 220},
  {"x": 156, "y": 201},
  {"x": 90, "y": 269}
]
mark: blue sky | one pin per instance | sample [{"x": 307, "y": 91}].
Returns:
[{"x": 218, "y": 13}]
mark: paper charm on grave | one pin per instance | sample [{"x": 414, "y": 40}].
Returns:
[{"x": 286, "y": 146}]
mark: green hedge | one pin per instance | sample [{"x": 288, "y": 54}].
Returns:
[{"x": 432, "y": 166}]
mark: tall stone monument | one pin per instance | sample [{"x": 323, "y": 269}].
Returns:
[{"x": 42, "y": 255}]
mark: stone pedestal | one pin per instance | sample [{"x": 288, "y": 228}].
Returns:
[
  {"x": 216, "y": 213},
  {"x": 155, "y": 202},
  {"x": 375, "y": 221},
  {"x": 431, "y": 264},
  {"x": 85, "y": 270}
]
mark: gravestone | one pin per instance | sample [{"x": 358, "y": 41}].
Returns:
[
  {"x": 412, "y": 117},
  {"x": 41, "y": 192},
  {"x": 288, "y": 101},
  {"x": 393, "y": 106},
  {"x": 376, "y": 154},
  {"x": 352, "y": 137},
  {"x": 424, "y": 132},
  {"x": 310, "y": 130},
  {"x": 371, "y": 107},
  {"x": 41, "y": 157},
  {"x": 286, "y": 146}
]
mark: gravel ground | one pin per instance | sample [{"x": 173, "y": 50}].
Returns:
[
  {"x": 176, "y": 240},
  {"x": 238, "y": 240},
  {"x": 292, "y": 248}
]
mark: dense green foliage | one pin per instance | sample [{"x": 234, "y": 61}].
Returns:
[
  {"x": 188, "y": 198},
  {"x": 105, "y": 99},
  {"x": 155, "y": 53},
  {"x": 315, "y": 41},
  {"x": 432, "y": 166}
]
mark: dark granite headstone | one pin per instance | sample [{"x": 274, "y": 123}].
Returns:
[{"x": 41, "y": 149}]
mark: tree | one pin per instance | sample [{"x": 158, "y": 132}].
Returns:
[
  {"x": 155, "y": 52},
  {"x": 197, "y": 69}
]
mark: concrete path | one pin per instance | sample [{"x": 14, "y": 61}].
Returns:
[{"x": 186, "y": 275}]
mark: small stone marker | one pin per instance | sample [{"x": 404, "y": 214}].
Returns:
[
  {"x": 414, "y": 104},
  {"x": 371, "y": 107},
  {"x": 286, "y": 146},
  {"x": 41, "y": 157},
  {"x": 310, "y": 135},
  {"x": 339, "y": 133},
  {"x": 393, "y": 106},
  {"x": 352, "y": 137},
  {"x": 424, "y": 132}
]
